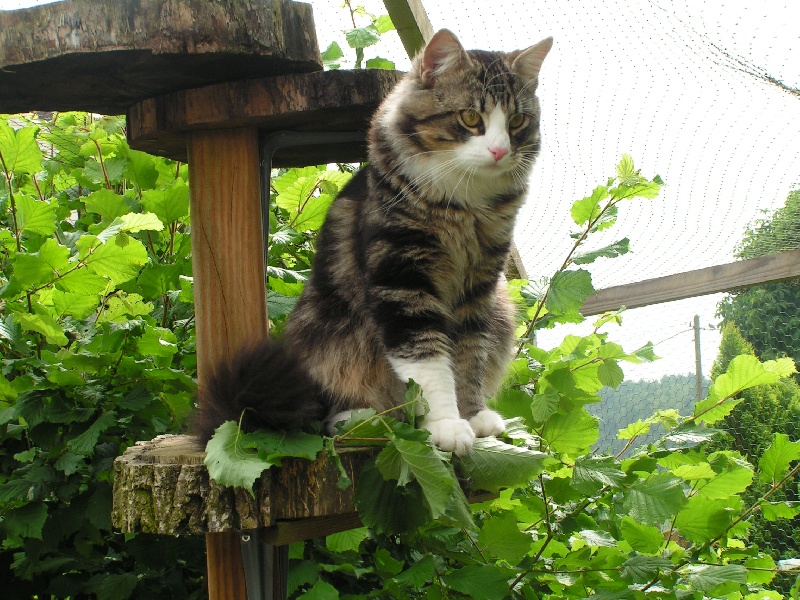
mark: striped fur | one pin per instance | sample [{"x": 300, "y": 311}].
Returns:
[{"x": 405, "y": 283}]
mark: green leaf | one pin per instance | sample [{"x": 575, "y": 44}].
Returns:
[
  {"x": 643, "y": 569},
  {"x": 502, "y": 538},
  {"x": 380, "y": 63},
  {"x": 642, "y": 538},
  {"x": 386, "y": 507},
  {"x": 614, "y": 250},
  {"x": 106, "y": 203},
  {"x": 492, "y": 464},
  {"x": 634, "y": 430},
  {"x": 384, "y": 24},
  {"x": 702, "y": 520},
  {"x": 654, "y": 499},
  {"x": 131, "y": 223},
  {"x": 157, "y": 341},
  {"x": 480, "y": 582},
  {"x": 625, "y": 170},
  {"x": 44, "y": 324},
  {"x": 169, "y": 204},
  {"x": 119, "y": 259},
  {"x": 231, "y": 464},
  {"x": 591, "y": 473},
  {"x": 19, "y": 149},
  {"x": 81, "y": 281},
  {"x": 362, "y": 37},
  {"x": 544, "y": 406},
  {"x": 706, "y": 577},
  {"x": 588, "y": 208},
  {"x": 156, "y": 280},
  {"x": 610, "y": 373},
  {"x": 568, "y": 291},
  {"x": 776, "y": 460},
  {"x": 735, "y": 477},
  {"x": 78, "y": 306},
  {"x": 274, "y": 446},
  {"x": 86, "y": 443},
  {"x": 117, "y": 586},
  {"x": 320, "y": 591},
  {"x": 418, "y": 574},
  {"x": 744, "y": 372},
  {"x": 26, "y": 521},
  {"x": 35, "y": 217},
  {"x": 312, "y": 215},
  {"x": 761, "y": 570},
  {"x": 571, "y": 433},
  {"x": 141, "y": 169},
  {"x": 773, "y": 511},
  {"x": 429, "y": 471},
  {"x": 332, "y": 55},
  {"x": 346, "y": 541}
]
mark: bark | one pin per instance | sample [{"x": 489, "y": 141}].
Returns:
[
  {"x": 104, "y": 55},
  {"x": 162, "y": 486}
]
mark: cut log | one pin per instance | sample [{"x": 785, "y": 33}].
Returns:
[
  {"x": 162, "y": 486},
  {"x": 104, "y": 55}
]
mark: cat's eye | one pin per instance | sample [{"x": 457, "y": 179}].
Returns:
[
  {"x": 470, "y": 118},
  {"x": 517, "y": 120}
]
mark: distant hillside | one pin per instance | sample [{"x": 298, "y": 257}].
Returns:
[{"x": 635, "y": 400}]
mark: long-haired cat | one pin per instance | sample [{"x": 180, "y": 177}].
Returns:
[{"x": 405, "y": 284}]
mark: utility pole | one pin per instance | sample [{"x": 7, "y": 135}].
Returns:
[{"x": 698, "y": 370}]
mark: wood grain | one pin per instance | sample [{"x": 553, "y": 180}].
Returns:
[
  {"x": 224, "y": 567},
  {"x": 104, "y": 55},
  {"x": 330, "y": 101},
  {"x": 711, "y": 280},
  {"x": 227, "y": 244}
]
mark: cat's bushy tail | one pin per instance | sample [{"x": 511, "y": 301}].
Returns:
[{"x": 264, "y": 386}]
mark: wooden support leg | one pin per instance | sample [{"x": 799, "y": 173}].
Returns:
[
  {"x": 227, "y": 244},
  {"x": 229, "y": 286},
  {"x": 225, "y": 574}
]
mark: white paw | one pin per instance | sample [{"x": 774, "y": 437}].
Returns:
[
  {"x": 451, "y": 435},
  {"x": 486, "y": 423},
  {"x": 331, "y": 421}
]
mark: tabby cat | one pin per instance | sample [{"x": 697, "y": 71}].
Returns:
[{"x": 405, "y": 284}]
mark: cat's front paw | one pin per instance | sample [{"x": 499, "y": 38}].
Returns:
[
  {"x": 486, "y": 423},
  {"x": 451, "y": 435}
]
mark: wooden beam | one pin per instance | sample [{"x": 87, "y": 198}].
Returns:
[
  {"x": 411, "y": 21},
  {"x": 700, "y": 282}
]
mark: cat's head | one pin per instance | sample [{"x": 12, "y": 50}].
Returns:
[{"x": 460, "y": 118}]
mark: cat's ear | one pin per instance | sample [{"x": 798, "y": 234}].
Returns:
[
  {"x": 442, "y": 53},
  {"x": 528, "y": 62}
]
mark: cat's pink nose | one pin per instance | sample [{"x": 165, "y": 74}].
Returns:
[{"x": 498, "y": 152}]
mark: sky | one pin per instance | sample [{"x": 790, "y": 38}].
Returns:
[{"x": 671, "y": 83}]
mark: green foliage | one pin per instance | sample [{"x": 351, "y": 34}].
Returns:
[
  {"x": 668, "y": 519},
  {"x": 98, "y": 351},
  {"x": 768, "y": 316},
  {"x": 760, "y": 427}
]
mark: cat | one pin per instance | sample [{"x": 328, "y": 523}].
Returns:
[{"x": 406, "y": 283}]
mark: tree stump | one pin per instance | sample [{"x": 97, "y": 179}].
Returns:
[{"x": 162, "y": 486}]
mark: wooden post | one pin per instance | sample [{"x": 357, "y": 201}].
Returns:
[
  {"x": 225, "y": 577},
  {"x": 229, "y": 285},
  {"x": 227, "y": 244}
]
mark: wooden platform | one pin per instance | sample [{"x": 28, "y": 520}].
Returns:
[
  {"x": 162, "y": 486},
  {"x": 104, "y": 55},
  {"x": 333, "y": 101}
]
